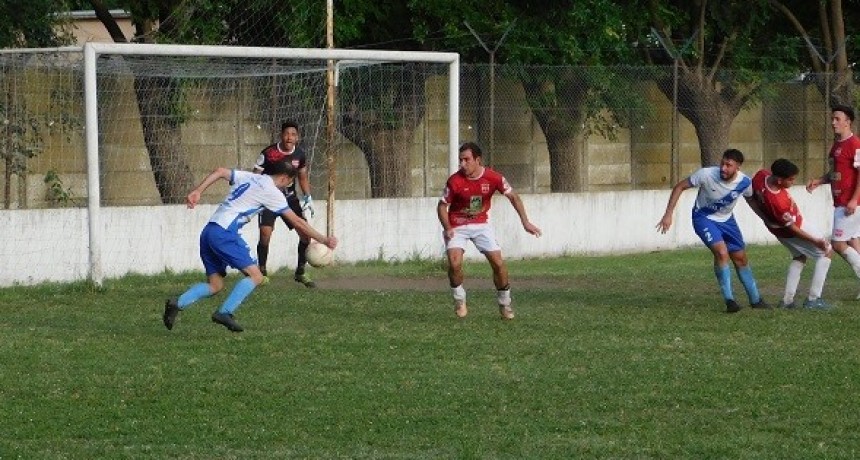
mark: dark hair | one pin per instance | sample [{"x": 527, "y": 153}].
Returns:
[
  {"x": 734, "y": 154},
  {"x": 289, "y": 124},
  {"x": 848, "y": 111},
  {"x": 784, "y": 169},
  {"x": 476, "y": 151},
  {"x": 280, "y": 167}
]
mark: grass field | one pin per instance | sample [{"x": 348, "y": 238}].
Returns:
[{"x": 609, "y": 357}]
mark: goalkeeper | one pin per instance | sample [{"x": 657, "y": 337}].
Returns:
[{"x": 287, "y": 150}]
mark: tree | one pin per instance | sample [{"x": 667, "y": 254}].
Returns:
[
  {"x": 32, "y": 24},
  {"x": 734, "y": 45},
  {"x": 542, "y": 47},
  {"x": 822, "y": 27}
]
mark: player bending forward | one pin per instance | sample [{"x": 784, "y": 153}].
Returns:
[
  {"x": 782, "y": 217},
  {"x": 463, "y": 212},
  {"x": 221, "y": 245}
]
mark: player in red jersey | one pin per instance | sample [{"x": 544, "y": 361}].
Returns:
[
  {"x": 782, "y": 217},
  {"x": 842, "y": 175},
  {"x": 463, "y": 212}
]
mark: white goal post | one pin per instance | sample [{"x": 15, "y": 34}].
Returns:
[{"x": 93, "y": 51}]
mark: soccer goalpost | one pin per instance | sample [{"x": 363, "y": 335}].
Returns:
[{"x": 165, "y": 82}]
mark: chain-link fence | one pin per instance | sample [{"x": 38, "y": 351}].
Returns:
[{"x": 548, "y": 129}]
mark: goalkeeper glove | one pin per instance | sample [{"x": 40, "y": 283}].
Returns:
[{"x": 308, "y": 205}]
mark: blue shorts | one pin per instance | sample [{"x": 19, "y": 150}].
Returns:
[
  {"x": 712, "y": 232},
  {"x": 220, "y": 248}
]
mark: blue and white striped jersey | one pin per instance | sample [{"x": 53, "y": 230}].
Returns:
[
  {"x": 249, "y": 194},
  {"x": 717, "y": 198}
]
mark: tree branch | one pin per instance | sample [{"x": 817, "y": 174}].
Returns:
[
  {"x": 817, "y": 65},
  {"x": 103, "y": 14}
]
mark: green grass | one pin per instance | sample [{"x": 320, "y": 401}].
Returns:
[{"x": 609, "y": 357}]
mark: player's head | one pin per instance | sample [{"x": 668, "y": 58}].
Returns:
[
  {"x": 470, "y": 158},
  {"x": 785, "y": 172},
  {"x": 289, "y": 134},
  {"x": 841, "y": 117},
  {"x": 282, "y": 173},
  {"x": 846, "y": 110},
  {"x": 731, "y": 164}
]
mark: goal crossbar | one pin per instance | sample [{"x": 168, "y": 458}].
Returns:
[{"x": 92, "y": 51}]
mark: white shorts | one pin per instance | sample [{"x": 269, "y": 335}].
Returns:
[
  {"x": 800, "y": 247},
  {"x": 845, "y": 227},
  {"x": 482, "y": 235}
]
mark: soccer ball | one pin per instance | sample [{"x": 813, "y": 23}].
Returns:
[{"x": 319, "y": 255}]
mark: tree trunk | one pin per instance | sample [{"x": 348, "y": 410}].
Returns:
[
  {"x": 711, "y": 108},
  {"x": 162, "y": 134},
  {"x": 390, "y": 176},
  {"x": 380, "y": 117},
  {"x": 557, "y": 105}
]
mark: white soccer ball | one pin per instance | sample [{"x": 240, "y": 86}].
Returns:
[{"x": 319, "y": 255}]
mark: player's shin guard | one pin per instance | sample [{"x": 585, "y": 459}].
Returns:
[{"x": 746, "y": 276}]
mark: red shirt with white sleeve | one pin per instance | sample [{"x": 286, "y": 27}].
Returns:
[
  {"x": 844, "y": 160},
  {"x": 469, "y": 199},
  {"x": 777, "y": 205}
]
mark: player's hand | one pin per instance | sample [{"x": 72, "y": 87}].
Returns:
[
  {"x": 308, "y": 205},
  {"x": 664, "y": 224},
  {"x": 850, "y": 207},
  {"x": 192, "y": 199},
  {"x": 812, "y": 185},
  {"x": 822, "y": 244},
  {"x": 331, "y": 242},
  {"x": 533, "y": 229},
  {"x": 448, "y": 234}
]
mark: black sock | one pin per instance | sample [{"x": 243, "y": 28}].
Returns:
[
  {"x": 262, "y": 254},
  {"x": 303, "y": 260}
]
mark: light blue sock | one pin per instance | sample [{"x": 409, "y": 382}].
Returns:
[
  {"x": 746, "y": 276},
  {"x": 237, "y": 295},
  {"x": 724, "y": 279},
  {"x": 193, "y": 294}
]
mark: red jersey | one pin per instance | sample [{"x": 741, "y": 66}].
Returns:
[
  {"x": 844, "y": 160},
  {"x": 469, "y": 200},
  {"x": 777, "y": 205}
]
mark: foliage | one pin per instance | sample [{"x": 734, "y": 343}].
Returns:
[
  {"x": 58, "y": 193},
  {"x": 33, "y": 24}
]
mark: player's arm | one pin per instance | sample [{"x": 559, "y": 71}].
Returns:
[
  {"x": 442, "y": 214},
  {"x": 677, "y": 190},
  {"x": 851, "y": 206},
  {"x": 757, "y": 208},
  {"x": 815, "y": 182},
  {"x": 518, "y": 205},
  {"x": 219, "y": 173},
  {"x": 302, "y": 226},
  {"x": 802, "y": 234}
]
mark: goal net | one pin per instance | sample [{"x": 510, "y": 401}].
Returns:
[
  {"x": 117, "y": 134},
  {"x": 158, "y": 118}
]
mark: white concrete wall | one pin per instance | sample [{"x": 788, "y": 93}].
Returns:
[{"x": 52, "y": 245}]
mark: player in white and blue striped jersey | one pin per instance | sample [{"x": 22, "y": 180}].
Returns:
[
  {"x": 720, "y": 188},
  {"x": 221, "y": 245}
]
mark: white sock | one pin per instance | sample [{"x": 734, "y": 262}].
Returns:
[
  {"x": 459, "y": 294},
  {"x": 504, "y": 297},
  {"x": 795, "y": 268},
  {"x": 822, "y": 265},
  {"x": 853, "y": 260}
]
